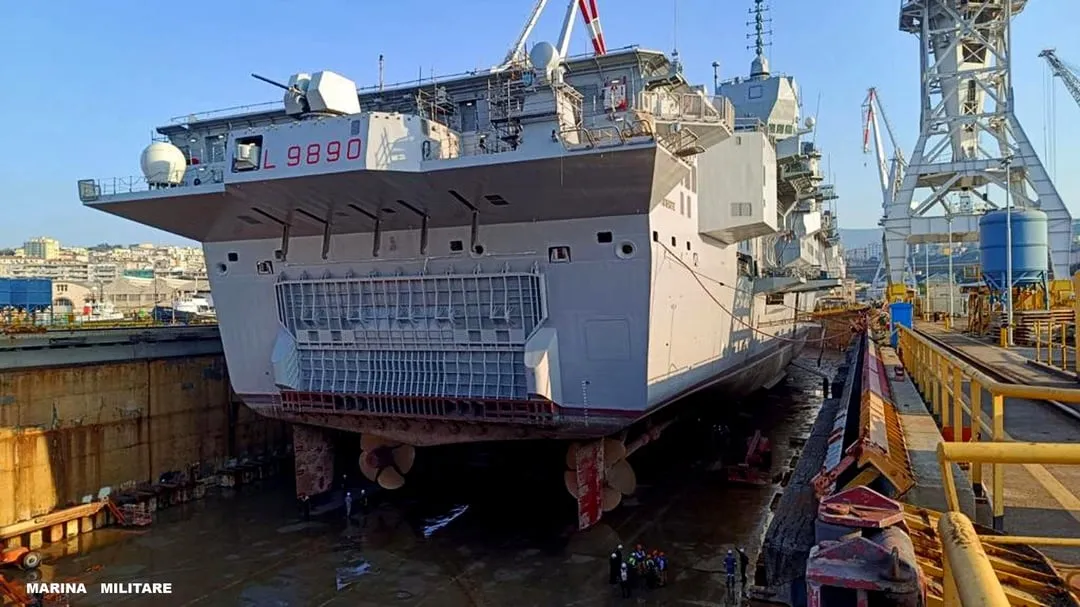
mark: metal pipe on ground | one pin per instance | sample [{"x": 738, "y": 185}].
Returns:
[{"x": 969, "y": 576}]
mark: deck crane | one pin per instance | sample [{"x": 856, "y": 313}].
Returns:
[
  {"x": 589, "y": 14},
  {"x": 1063, "y": 71},
  {"x": 890, "y": 170}
]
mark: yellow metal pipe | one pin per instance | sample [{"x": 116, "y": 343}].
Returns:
[
  {"x": 1076, "y": 318},
  {"x": 1064, "y": 351},
  {"x": 997, "y": 471},
  {"x": 1011, "y": 453},
  {"x": 1030, "y": 540},
  {"x": 976, "y": 429},
  {"x": 968, "y": 566},
  {"x": 952, "y": 501},
  {"x": 1038, "y": 341},
  {"x": 958, "y": 406}
]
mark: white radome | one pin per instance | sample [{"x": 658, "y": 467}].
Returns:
[
  {"x": 545, "y": 58},
  {"x": 163, "y": 164}
]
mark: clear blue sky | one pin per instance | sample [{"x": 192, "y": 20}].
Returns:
[{"x": 86, "y": 85}]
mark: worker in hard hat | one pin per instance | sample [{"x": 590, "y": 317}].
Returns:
[
  {"x": 744, "y": 563},
  {"x": 305, "y": 506},
  {"x": 661, "y": 567},
  {"x": 729, "y": 568},
  {"x": 614, "y": 565}
]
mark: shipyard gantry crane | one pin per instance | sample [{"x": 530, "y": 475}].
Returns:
[
  {"x": 1064, "y": 72},
  {"x": 970, "y": 141}
]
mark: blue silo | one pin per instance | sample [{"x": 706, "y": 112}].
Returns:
[{"x": 1030, "y": 247}]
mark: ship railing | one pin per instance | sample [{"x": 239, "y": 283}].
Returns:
[
  {"x": 236, "y": 110},
  {"x": 524, "y": 412},
  {"x": 28, "y": 326},
  {"x": 744, "y": 125},
  {"x": 678, "y": 141},
  {"x": 199, "y": 174},
  {"x": 685, "y": 107},
  {"x": 584, "y": 138}
]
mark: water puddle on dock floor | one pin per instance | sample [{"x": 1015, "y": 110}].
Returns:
[{"x": 488, "y": 538}]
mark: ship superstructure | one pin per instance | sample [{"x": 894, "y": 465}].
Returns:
[
  {"x": 806, "y": 248},
  {"x": 555, "y": 248}
]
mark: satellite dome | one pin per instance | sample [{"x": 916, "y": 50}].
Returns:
[
  {"x": 810, "y": 122},
  {"x": 545, "y": 58},
  {"x": 163, "y": 164}
]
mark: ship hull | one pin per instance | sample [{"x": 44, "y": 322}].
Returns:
[
  {"x": 731, "y": 382},
  {"x": 545, "y": 298}
]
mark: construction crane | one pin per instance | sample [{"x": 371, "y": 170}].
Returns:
[
  {"x": 1063, "y": 71},
  {"x": 890, "y": 169},
  {"x": 589, "y": 14}
]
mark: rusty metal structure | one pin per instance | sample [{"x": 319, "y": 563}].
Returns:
[
  {"x": 867, "y": 446},
  {"x": 874, "y": 550},
  {"x": 863, "y": 553}
]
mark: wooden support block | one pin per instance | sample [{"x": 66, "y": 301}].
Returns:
[
  {"x": 101, "y": 518},
  {"x": 34, "y": 539},
  {"x": 12, "y": 543},
  {"x": 56, "y": 533},
  {"x": 86, "y": 524},
  {"x": 71, "y": 528}
]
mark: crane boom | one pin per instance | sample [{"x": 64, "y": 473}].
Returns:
[
  {"x": 890, "y": 170},
  {"x": 518, "y": 49},
  {"x": 1061, "y": 70},
  {"x": 590, "y": 15}
]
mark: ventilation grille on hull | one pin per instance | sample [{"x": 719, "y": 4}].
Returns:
[{"x": 449, "y": 335}]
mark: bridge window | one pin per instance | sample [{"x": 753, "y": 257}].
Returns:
[
  {"x": 774, "y": 299},
  {"x": 603, "y": 237}
]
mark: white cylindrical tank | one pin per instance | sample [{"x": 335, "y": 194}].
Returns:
[{"x": 163, "y": 164}]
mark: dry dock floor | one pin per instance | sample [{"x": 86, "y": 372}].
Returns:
[
  {"x": 1039, "y": 500},
  {"x": 250, "y": 548}
]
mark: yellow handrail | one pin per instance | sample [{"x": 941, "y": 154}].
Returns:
[
  {"x": 1062, "y": 346},
  {"x": 968, "y": 573},
  {"x": 940, "y": 377}
]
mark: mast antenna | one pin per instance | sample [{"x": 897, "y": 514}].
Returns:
[
  {"x": 381, "y": 66},
  {"x": 759, "y": 24}
]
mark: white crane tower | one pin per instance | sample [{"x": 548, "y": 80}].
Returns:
[{"x": 970, "y": 141}]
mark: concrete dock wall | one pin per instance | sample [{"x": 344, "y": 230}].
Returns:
[{"x": 67, "y": 432}]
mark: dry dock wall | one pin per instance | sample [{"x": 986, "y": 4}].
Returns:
[{"x": 67, "y": 432}]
